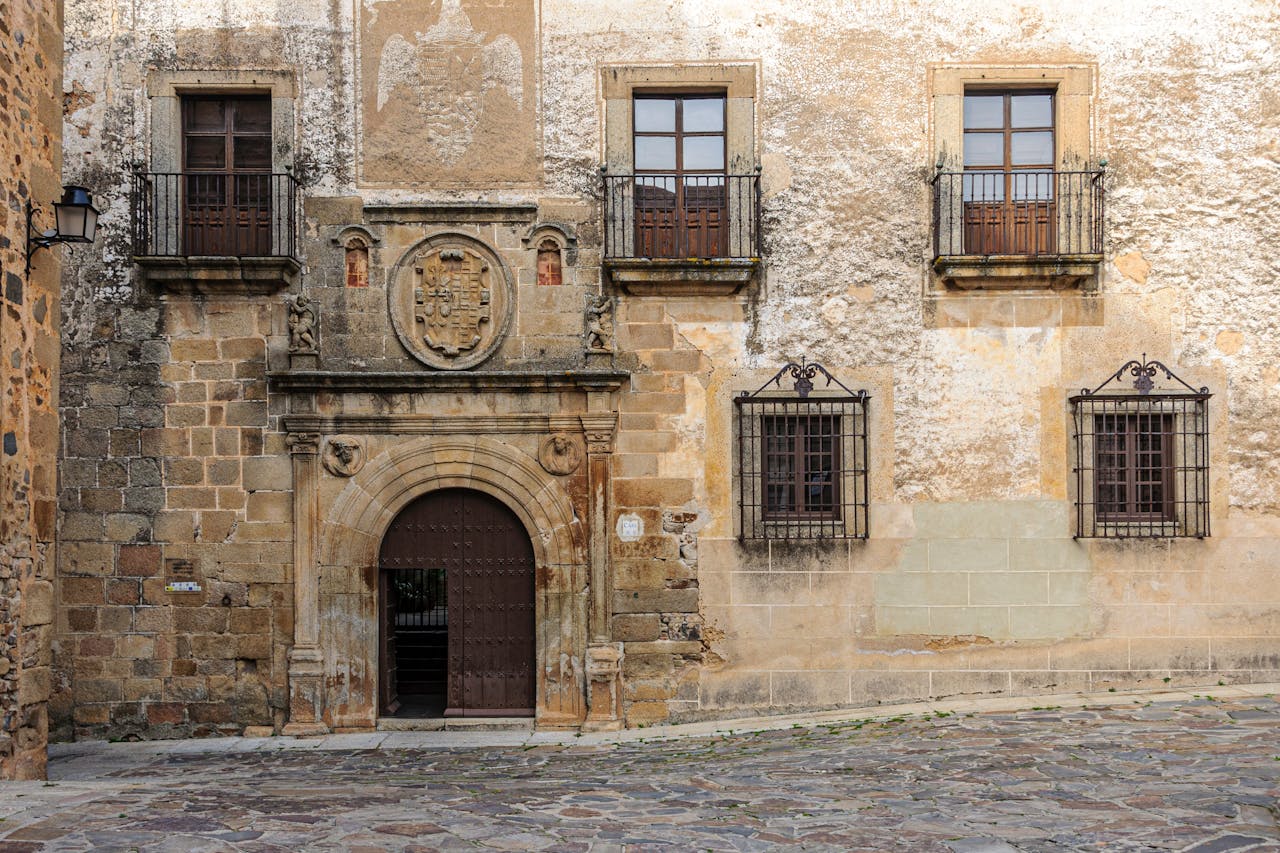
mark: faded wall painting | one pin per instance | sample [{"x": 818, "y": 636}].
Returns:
[{"x": 448, "y": 91}]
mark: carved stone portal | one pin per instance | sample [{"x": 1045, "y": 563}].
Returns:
[{"x": 451, "y": 304}]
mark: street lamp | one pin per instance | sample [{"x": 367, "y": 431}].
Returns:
[{"x": 76, "y": 218}]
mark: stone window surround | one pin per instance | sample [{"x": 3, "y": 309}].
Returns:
[
  {"x": 166, "y": 88},
  {"x": 739, "y": 82},
  {"x": 1073, "y": 106},
  {"x": 1074, "y": 127}
]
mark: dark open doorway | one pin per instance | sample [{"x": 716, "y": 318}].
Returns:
[{"x": 456, "y": 610}]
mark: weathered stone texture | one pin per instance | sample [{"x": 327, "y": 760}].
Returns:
[
  {"x": 31, "y": 153},
  {"x": 971, "y": 581}
]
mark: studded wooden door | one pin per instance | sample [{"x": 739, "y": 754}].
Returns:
[{"x": 487, "y": 562}]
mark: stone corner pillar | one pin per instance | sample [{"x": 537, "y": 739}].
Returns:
[
  {"x": 604, "y": 657},
  {"x": 306, "y": 661},
  {"x": 604, "y": 688}
]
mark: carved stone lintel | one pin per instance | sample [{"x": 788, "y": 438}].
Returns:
[
  {"x": 599, "y": 430},
  {"x": 303, "y": 443},
  {"x": 604, "y": 688},
  {"x": 559, "y": 454},
  {"x": 343, "y": 456}
]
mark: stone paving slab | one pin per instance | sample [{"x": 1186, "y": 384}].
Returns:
[{"x": 1166, "y": 771}]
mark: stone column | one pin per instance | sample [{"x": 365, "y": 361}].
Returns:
[
  {"x": 306, "y": 663},
  {"x": 604, "y": 658}
]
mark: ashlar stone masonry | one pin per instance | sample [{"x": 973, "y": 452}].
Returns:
[{"x": 465, "y": 261}]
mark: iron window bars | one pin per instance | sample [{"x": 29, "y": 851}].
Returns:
[
  {"x": 1142, "y": 459},
  {"x": 802, "y": 460}
]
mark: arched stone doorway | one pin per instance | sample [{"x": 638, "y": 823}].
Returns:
[
  {"x": 352, "y": 516},
  {"x": 456, "y": 609}
]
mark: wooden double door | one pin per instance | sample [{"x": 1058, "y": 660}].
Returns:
[
  {"x": 226, "y": 176},
  {"x": 456, "y": 609}
]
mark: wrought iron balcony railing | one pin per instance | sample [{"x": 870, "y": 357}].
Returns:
[
  {"x": 677, "y": 217},
  {"x": 228, "y": 214},
  {"x": 1032, "y": 213}
]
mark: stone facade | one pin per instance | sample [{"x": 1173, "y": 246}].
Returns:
[
  {"x": 233, "y": 457},
  {"x": 31, "y": 149}
]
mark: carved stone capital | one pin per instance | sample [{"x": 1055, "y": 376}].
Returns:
[
  {"x": 599, "y": 430},
  {"x": 303, "y": 443}
]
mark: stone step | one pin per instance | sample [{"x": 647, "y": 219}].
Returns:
[{"x": 455, "y": 724}]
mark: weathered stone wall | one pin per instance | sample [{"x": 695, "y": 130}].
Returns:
[
  {"x": 971, "y": 580},
  {"x": 31, "y": 151}
]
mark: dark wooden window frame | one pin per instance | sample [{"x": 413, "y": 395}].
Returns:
[
  {"x": 1008, "y": 209},
  {"x": 803, "y": 470},
  {"x": 699, "y": 204},
  {"x": 241, "y": 223},
  {"x": 1122, "y": 434}
]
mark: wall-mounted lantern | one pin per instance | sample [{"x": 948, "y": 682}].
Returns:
[{"x": 76, "y": 218}]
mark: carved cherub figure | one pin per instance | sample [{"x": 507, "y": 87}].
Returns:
[
  {"x": 600, "y": 324},
  {"x": 302, "y": 324}
]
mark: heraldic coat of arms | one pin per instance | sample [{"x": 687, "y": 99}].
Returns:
[{"x": 452, "y": 300}]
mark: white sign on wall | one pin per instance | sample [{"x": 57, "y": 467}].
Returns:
[{"x": 630, "y": 527}]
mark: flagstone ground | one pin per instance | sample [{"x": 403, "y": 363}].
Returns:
[{"x": 1146, "y": 771}]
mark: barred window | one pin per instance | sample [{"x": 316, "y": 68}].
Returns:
[
  {"x": 1142, "y": 459},
  {"x": 802, "y": 459}
]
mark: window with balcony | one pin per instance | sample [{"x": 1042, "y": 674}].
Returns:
[
  {"x": 226, "y": 192},
  {"x": 681, "y": 188},
  {"x": 216, "y": 206},
  {"x": 1142, "y": 458},
  {"x": 802, "y": 458},
  {"x": 1008, "y": 184},
  {"x": 1016, "y": 201},
  {"x": 680, "y": 197}
]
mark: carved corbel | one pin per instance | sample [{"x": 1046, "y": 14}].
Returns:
[{"x": 599, "y": 430}]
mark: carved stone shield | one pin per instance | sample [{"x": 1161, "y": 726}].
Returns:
[{"x": 450, "y": 303}]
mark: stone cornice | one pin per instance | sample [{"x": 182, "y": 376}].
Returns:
[
  {"x": 441, "y": 382},
  {"x": 451, "y": 212},
  {"x": 415, "y": 424}
]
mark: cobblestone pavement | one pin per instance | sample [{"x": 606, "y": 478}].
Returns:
[{"x": 1136, "y": 772}]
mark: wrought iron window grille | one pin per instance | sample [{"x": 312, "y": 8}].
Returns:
[
  {"x": 1141, "y": 458},
  {"x": 802, "y": 462}
]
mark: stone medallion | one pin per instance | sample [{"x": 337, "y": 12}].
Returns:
[
  {"x": 451, "y": 303},
  {"x": 560, "y": 454},
  {"x": 343, "y": 456}
]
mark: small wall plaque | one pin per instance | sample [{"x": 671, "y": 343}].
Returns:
[
  {"x": 630, "y": 527},
  {"x": 180, "y": 580}
]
